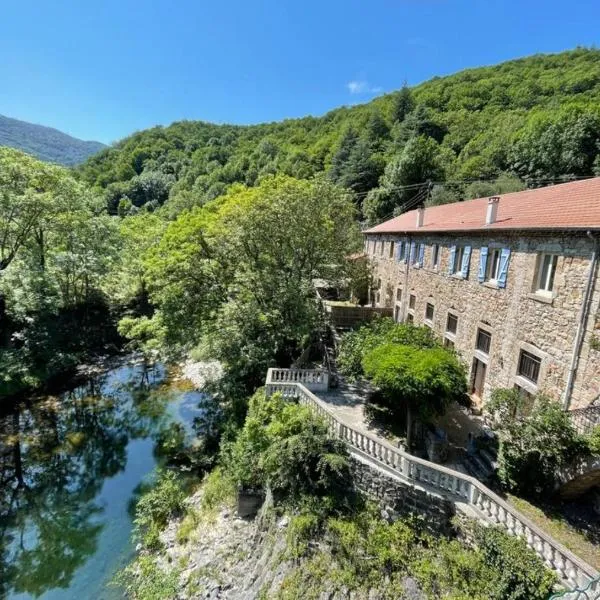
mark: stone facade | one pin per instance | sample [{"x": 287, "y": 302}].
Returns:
[{"x": 514, "y": 316}]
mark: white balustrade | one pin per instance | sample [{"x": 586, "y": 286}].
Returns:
[{"x": 294, "y": 383}]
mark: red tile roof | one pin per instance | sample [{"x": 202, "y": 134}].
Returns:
[{"x": 574, "y": 205}]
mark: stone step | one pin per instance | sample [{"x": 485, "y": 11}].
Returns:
[{"x": 490, "y": 460}]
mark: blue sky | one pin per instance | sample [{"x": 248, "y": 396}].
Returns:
[{"x": 103, "y": 69}]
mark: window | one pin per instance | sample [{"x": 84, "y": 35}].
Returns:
[
  {"x": 529, "y": 366},
  {"x": 448, "y": 343},
  {"x": 412, "y": 300},
  {"x": 391, "y": 249},
  {"x": 409, "y": 318},
  {"x": 492, "y": 272},
  {"x": 381, "y": 247},
  {"x": 484, "y": 340},
  {"x": 458, "y": 259},
  {"x": 420, "y": 256},
  {"x": 435, "y": 256},
  {"x": 429, "y": 311},
  {"x": 493, "y": 266},
  {"x": 398, "y": 294},
  {"x": 402, "y": 253},
  {"x": 452, "y": 323},
  {"x": 546, "y": 272}
]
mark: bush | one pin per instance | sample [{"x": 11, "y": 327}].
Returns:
[
  {"x": 593, "y": 440},
  {"x": 533, "y": 448},
  {"x": 420, "y": 381},
  {"x": 519, "y": 574},
  {"x": 356, "y": 344},
  {"x": 154, "y": 509},
  {"x": 286, "y": 447},
  {"x": 145, "y": 580}
]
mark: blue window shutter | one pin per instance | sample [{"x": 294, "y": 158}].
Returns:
[
  {"x": 482, "y": 263},
  {"x": 452, "y": 257},
  {"x": 398, "y": 251},
  {"x": 413, "y": 249},
  {"x": 421, "y": 254},
  {"x": 504, "y": 259},
  {"x": 465, "y": 263}
]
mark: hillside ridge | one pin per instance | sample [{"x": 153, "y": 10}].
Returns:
[{"x": 46, "y": 143}]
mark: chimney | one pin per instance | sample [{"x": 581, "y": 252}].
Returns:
[
  {"x": 420, "y": 216},
  {"x": 492, "y": 210}
]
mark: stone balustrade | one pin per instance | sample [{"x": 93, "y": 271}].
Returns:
[
  {"x": 315, "y": 380},
  {"x": 458, "y": 487}
]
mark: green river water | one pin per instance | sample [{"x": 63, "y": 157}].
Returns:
[{"x": 70, "y": 469}]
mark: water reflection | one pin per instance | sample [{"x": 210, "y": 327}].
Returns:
[{"x": 68, "y": 468}]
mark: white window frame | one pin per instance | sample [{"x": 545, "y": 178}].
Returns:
[
  {"x": 492, "y": 265},
  {"x": 459, "y": 253},
  {"x": 427, "y": 305},
  {"x": 543, "y": 286},
  {"x": 435, "y": 257}
]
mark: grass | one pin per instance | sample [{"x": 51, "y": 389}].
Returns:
[{"x": 562, "y": 531}]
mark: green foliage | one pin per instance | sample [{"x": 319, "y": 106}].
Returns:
[
  {"x": 533, "y": 447},
  {"x": 284, "y": 446},
  {"x": 145, "y": 579},
  {"x": 593, "y": 440},
  {"x": 153, "y": 510},
  {"x": 236, "y": 274},
  {"x": 519, "y": 572},
  {"x": 364, "y": 554},
  {"x": 427, "y": 380},
  {"x": 420, "y": 161},
  {"x": 56, "y": 251},
  {"x": 356, "y": 344},
  {"x": 536, "y": 117}
]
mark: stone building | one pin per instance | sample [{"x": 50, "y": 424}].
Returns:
[{"x": 510, "y": 282}]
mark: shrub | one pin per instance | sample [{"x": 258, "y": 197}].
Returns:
[
  {"x": 422, "y": 381},
  {"x": 156, "y": 507},
  {"x": 144, "y": 579},
  {"x": 285, "y": 446},
  {"x": 593, "y": 440},
  {"x": 519, "y": 574},
  {"x": 533, "y": 448},
  {"x": 356, "y": 344}
]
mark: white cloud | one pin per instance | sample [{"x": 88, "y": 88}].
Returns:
[{"x": 362, "y": 87}]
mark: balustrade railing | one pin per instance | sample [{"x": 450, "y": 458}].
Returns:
[
  {"x": 459, "y": 487},
  {"x": 585, "y": 419}
]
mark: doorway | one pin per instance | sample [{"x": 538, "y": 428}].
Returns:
[{"x": 478, "y": 377}]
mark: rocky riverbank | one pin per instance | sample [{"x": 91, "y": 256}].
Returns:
[{"x": 226, "y": 557}]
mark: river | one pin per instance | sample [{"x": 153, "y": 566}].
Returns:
[{"x": 71, "y": 467}]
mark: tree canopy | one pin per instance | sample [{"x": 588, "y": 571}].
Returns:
[{"x": 537, "y": 118}]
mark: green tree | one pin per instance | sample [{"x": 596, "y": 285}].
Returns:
[
  {"x": 418, "y": 163},
  {"x": 422, "y": 382},
  {"x": 403, "y": 104},
  {"x": 534, "y": 442}
]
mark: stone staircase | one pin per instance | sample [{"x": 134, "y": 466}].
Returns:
[{"x": 468, "y": 493}]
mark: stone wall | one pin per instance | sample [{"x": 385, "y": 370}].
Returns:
[
  {"x": 515, "y": 316},
  {"x": 399, "y": 499}
]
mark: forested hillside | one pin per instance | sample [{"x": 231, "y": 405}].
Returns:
[
  {"x": 527, "y": 122},
  {"x": 45, "y": 143}
]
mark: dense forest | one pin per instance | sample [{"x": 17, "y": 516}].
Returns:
[
  {"x": 202, "y": 241},
  {"x": 45, "y": 143},
  {"x": 527, "y": 122},
  {"x": 207, "y": 237}
]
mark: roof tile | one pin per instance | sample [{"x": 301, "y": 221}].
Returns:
[{"x": 573, "y": 205}]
